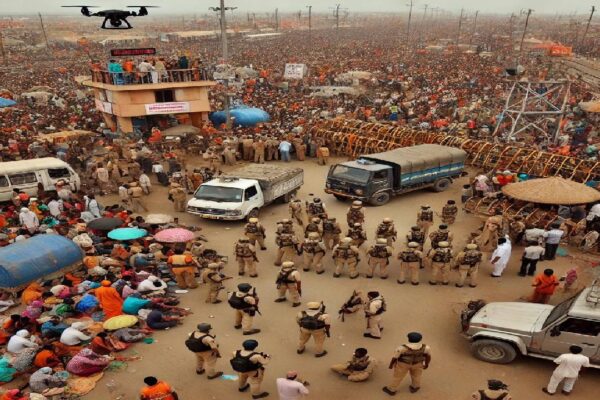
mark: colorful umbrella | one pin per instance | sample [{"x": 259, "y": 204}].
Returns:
[
  {"x": 120, "y": 321},
  {"x": 105, "y": 223},
  {"x": 158, "y": 219},
  {"x": 127, "y": 233},
  {"x": 175, "y": 235}
]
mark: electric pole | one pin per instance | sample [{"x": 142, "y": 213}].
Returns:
[
  {"x": 474, "y": 27},
  {"x": 529, "y": 11},
  {"x": 587, "y": 26},
  {"x": 462, "y": 11},
  {"x": 221, "y": 10},
  {"x": 277, "y": 20},
  {"x": 409, "y": 20},
  {"x": 43, "y": 30},
  {"x": 309, "y": 18},
  {"x": 337, "y": 16},
  {"x": 2, "y": 48}
]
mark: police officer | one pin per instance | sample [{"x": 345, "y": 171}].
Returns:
[
  {"x": 288, "y": 279},
  {"x": 374, "y": 308},
  {"x": 496, "y": 390},
  {"x": 386, "y": 230},
  {"x": 440, "y": 235},
  {"x": 410, "y": 261},
  {"x": 245, "y": 305},
  {"x": 412, "y": 357},
  {"x": 379, "y": 256},
  {"x": 425, "y": 219},
  {"x": 206, "y": 349},
  {"x": 359, "y": 368},
  {"x": 449, "y": 212},
  {"x": 331, "y": 232},
  {"x": 357, "y": 234},
  {"x": 416, "y": 235},
  {"x": 314, "y": 226},
  {"x": 249, "y": 365},
  {"x": 441, "y": 257},
  {"x": 285, "y": 226},
  {"x": 177, "y": 196},
  {"x": 316, "y": 208},
  {"x": 245, "y": 254},
  {"x": 214, "y": 278},
  {"x": 255, "y": 232},
  {"x": 344, "y": 254},
  {"x": 315, "y": 323},
  {"x": 184, "y": 267},
  {"x": 355, "y": 214},
  {"x": 295, "y": 209},
  {"x": 287, "y": 244},
  {"x": 468, "y": 262},
  {"x": 313, "y": 250}
]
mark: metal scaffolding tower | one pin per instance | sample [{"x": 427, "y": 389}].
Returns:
[{"x": 534, "y": 107}]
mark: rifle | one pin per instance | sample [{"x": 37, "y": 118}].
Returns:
[
  {"x": 327, "y": 327},
  {"x": 351, "y": 302},
  {"x": 256, "y": 300}
]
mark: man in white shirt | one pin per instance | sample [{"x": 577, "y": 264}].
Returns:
[
  {"x": 145, "y": 183},
  {"x": 289, "y": 388},
  {"x": 72, "y": 336},
  {"x": 569, "y": 365},
  {"x": 55, "y": 206},
  {"x": 28, "y": 220},
  {"x": 19, "y": 342},
  {"x": 500, "y": 256},
  {"x": 531, "y": 255}
]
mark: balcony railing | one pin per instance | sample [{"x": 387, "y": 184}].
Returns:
[{"x": 141, "y": 78}]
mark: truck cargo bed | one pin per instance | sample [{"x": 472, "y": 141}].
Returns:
[{"x": 274, "y": 180}]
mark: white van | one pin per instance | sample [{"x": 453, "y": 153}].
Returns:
[{"x": 26, "y": 174}]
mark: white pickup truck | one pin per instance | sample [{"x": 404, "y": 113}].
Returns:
[{"x": 241, "y": 193}]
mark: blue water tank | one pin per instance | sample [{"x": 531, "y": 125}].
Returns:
[
  {"x": 40, "y": 256},
  {"x": 244, "y": 116}
]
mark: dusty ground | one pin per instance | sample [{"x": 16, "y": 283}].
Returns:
[{"x": 453, "y": 373}]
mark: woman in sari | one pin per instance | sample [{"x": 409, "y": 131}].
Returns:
[{"x": 86, "y": 363}]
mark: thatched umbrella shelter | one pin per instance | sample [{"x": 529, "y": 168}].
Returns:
[{"x": 554, "y": 190}]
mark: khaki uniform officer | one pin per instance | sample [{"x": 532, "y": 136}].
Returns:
[
  {"x": 410, "y": 260},
  {"x": 245, "y": 305},
  {"x": 288, "y": 280},
  {"x": 416, "y": 235},
  {"x": 449, "y": 212},
  {"x": 177, "y": 193},
  {"x": 214, "y": 279},
  {"x": 345, "y": 254},
  {"x": 357, "y": 234},
  {"x": 425, "y": 219},
  {"x": 315, "y": 323},
  {"x": 379, "y": 256},
  {"x": 314, "y": 226},
  {"x": 313, "y": 251},
  {"x": 296, "y": 213},
  {"x": 255, "y": 232},
  {"x": 245, "y": 254},
  {"x": 468, "y": 262},
  {"x": 496, "y": 390},
  {"x": 259, "y": 151},
  {"x": 287, "y": 244},
  {"x": 135, "y": 194},
  {"x": 206, "y": 350},
  {"x": 374, "y": 308},
  {"x": 184, "y": 268},
  {"x": 387, "y": 231},
  {"x": 315, "y": 209},
  {"x": 441, "y": 259},
  {"x": 440, "y": 235},
  {"x": 331, "y": 232},
  {"x": 412, "y": 357},
  {"x": 359, "y": 369},
  {"x": 249, "y": 365},
  {"x": 355, "y": 214}
]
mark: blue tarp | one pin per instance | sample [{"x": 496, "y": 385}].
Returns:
[
  {"x": 6, "y": 102},
  {"x": 37, "y": 257},
  {"x": 244, "y": 116}
]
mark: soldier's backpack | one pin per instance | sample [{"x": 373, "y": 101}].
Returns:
[
  {"x": 241, "y": 363},
  {"x": 483, "y": 396},
  {"x": 195, "y": 344},
  {"x": 409, "y": 256},
  {"x": 472, "y": 257},
  {"x": 311, "y": 322},
  {"x": 284, "y": 277},
  {"x": 238, "y": 302}
]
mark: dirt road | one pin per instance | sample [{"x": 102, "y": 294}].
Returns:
[{"x": 431, "y": 310}]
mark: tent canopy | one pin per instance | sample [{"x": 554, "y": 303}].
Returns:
[{"x": 552, "y": 190}]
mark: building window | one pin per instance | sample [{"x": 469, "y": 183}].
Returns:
[{"x": 164, "y": 96}]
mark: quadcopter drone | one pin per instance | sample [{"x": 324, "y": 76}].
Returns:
[{"x": 115, "y": 18}]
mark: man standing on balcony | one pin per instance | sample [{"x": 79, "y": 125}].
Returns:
[{"x": 144, "y": 69}]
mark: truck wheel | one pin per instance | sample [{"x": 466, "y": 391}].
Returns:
[
  {"x": 286, "y": 198},
  {"x": 441, "y": 184},
  {"x": 340, "y": 198},
  {"x": 493, "y": 351},
  {"x": 252, "y": 214},
  {"x": 379, "y": 199}
]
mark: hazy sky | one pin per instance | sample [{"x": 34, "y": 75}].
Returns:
[{"x": 201, "y": 6}]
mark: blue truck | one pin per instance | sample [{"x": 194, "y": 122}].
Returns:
[
  {"x": 376, "y": 178},
  {"x": 40, "y": 257}
]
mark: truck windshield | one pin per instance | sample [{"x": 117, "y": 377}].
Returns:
[
  {"x": 559, "y": 310},
  {"x": 351, "y": 174},
  {"x": 219, "y": 194}
]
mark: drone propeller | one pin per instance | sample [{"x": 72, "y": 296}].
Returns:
[
  {"x": 80, "y": 6},
  {"x": 143, "y": 6}
]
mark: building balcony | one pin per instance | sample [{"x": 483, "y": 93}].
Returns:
[{"x": 127, "y": 81}]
